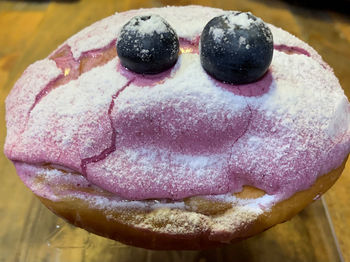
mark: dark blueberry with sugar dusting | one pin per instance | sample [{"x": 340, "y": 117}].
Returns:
[
  {"x": 236, "y": 48},
  {"x": 147, "y": 45}
]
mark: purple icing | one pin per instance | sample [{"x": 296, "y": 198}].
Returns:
[{"x": 291, "y": 49}]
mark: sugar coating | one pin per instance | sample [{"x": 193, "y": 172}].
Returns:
[
  {"x": 152, "y": 23},
  {"x": 241, "y": 19},
  {"x": 103, "y": 32},
  {"x": 64, "y": 131},
  {"x": 189, "y": 135},
  {"x": 217, "y": 33},
  {"x": 22, "y": 96}
]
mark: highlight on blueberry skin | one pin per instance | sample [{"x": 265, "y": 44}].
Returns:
[
  {"x": 236, "y": 48},
  {"x": 147, "y": 45}
]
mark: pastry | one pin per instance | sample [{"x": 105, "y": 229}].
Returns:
[{"x": 206, "y": 127}]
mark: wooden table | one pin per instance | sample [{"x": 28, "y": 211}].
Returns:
[{"x": 30, "y": 31}]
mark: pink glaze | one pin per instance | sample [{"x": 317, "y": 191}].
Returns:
[
  {"x": 144, "y": 80},
  {"x": 180, "y": 133},
  {"x": 186, "y": 46},
  {"x": 112, "y": 147},
  {"x": 63, "y": 58},
  {"x": 258, "y": 88},
  {"x": 43, "y": 92},
  {"x": 291, "y": 49}
]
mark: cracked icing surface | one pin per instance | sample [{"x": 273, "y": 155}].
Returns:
[
  {"x": 188, "y": 135},
  {"x": 86, "y": 161}
]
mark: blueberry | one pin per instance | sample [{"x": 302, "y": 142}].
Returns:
[
  {"x": 236, "y": 48},
  {"x": 147, "y": 45}
]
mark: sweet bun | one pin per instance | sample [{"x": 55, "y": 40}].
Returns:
[{"x": 140, "y": 128}]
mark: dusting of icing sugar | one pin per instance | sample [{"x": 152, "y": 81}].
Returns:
[
  {"x": 161, "y": 216},
  {"x": 283, "y": 139},
  {"x": 241, "y": 20},
  {"x": 340, "y": 122},
  {"x": 174, "y": 221},
  {"x": 146, "y": 80},
  {"x": 255, "y": 89},
  {"x": 261, "y": 204},
  {"x": 233, "y": 21},
  {"x": 73, "y": 119},
  {"x": 134, "y": 165},
  {"x": 72, "y": 69},
  {"x": 105, "y": 31},
  {"x": 96, "y": 36},
  {"x": 23, "y": 95},
  {"x": 242, "y": 41},
  {"x": 112, "y": 147},
  {"x": 147, "y": 24},
  {"x": 291, "y": 49},
  {"x": 217, "y": 33},
  {"x": 286, "y": 39},
  {"x": 223, "y": 227}
]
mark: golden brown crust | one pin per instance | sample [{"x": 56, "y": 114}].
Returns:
[{"x": 121, "y": 224}]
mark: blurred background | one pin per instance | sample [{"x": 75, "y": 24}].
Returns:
[{"x": 31, "y": 30}]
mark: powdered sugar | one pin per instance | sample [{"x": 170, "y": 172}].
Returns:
[
  {"x": 106, "y": 31},
  {"x": 340, "y": 122},
  {"x": 147, "y": 24},
  {"x": 217, "y": 33},
  {"x": 161, "y": 216},
  {"x": 241, "y": 20},
  {"x": 71, "y": 122},
  {"x": 21, "y": 98},
  {"x": 188, "y": 135},
  {"x": 96, "y": 36}
]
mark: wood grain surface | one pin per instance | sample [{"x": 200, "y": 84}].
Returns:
[{"x": 31, "y": 30}]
